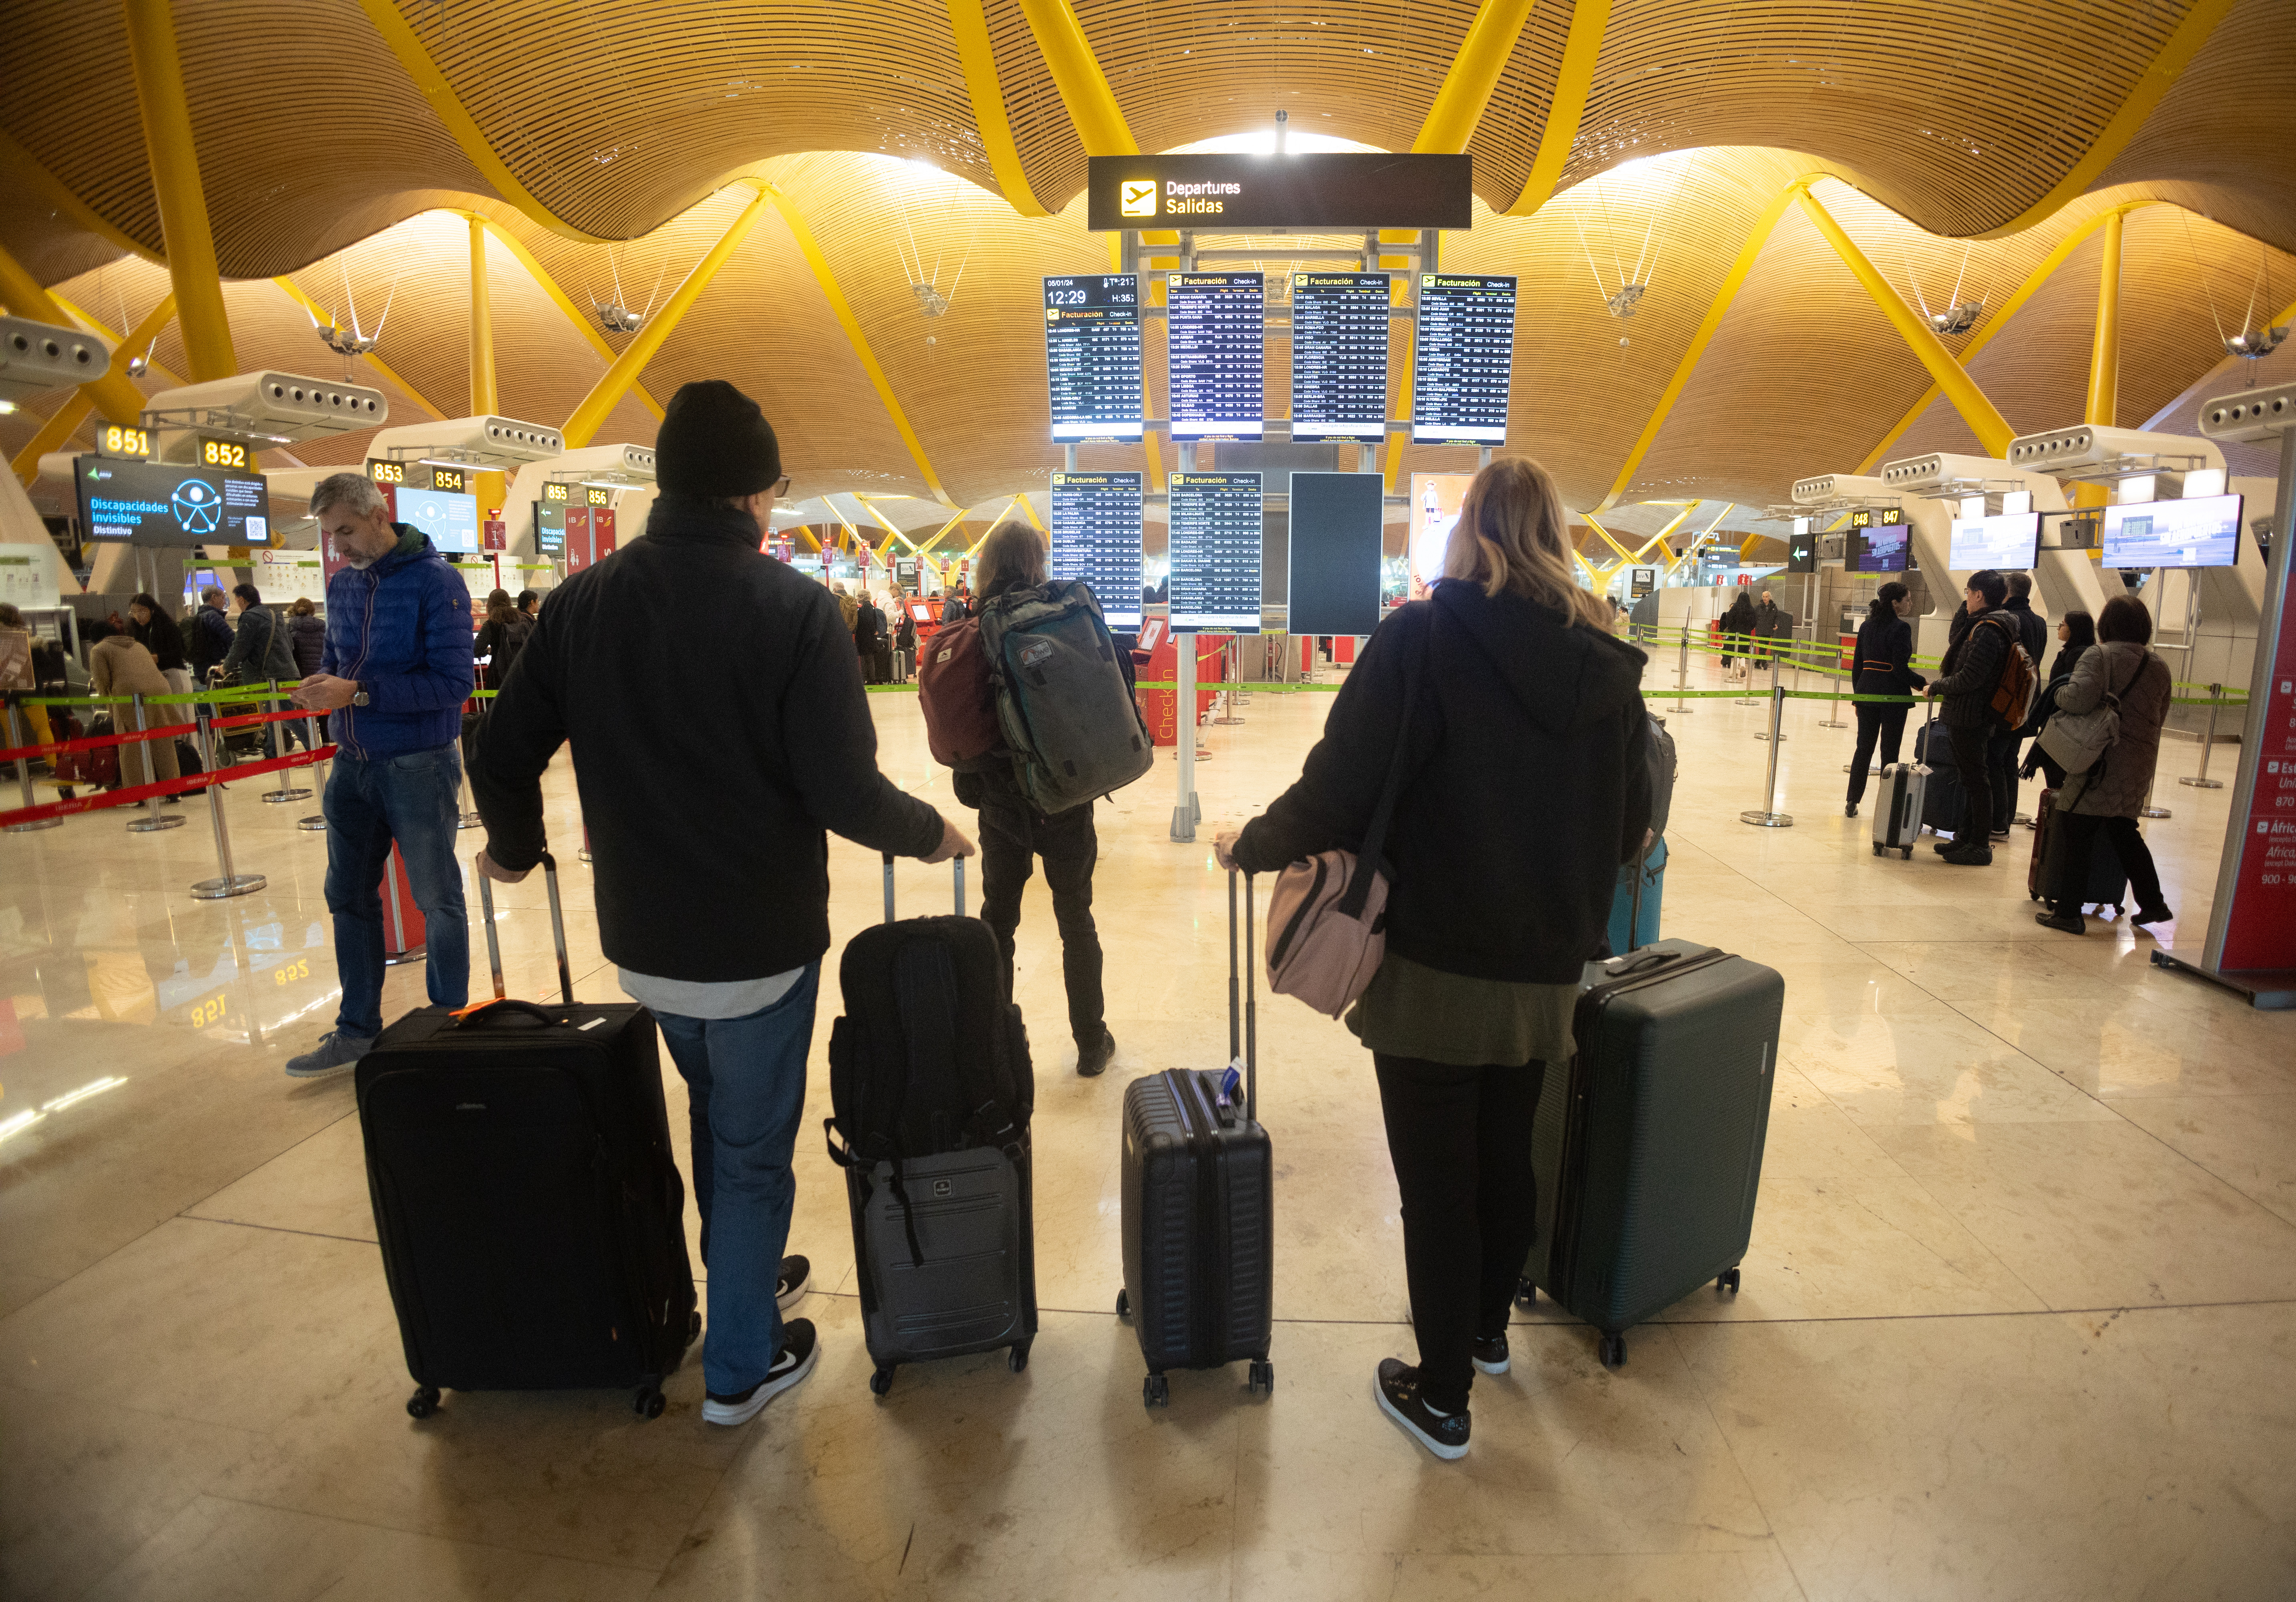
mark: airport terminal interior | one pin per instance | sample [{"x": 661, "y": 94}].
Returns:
[{"x": 1229, "y": 303}]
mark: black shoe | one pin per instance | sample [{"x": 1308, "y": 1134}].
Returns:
[
  {"x": 2152, "y": 914},
  {"x": 1490, "y": 1353},
  {"x": 1850, "y": 810},
  {"x": 1398, "y": 1390},
  {"x": 791, "y": 1364},
  {"x": 2070, "y": 923},
  {"x": 1941, "y": 845},
  {"x": 2000, "y": 835},
  {"x": 1092, "y": 1061},
  {"x": 1976, "y": 855},
  {"x": 796, "y": 1279}
]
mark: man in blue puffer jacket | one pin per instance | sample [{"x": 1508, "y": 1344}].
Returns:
[{"x": 395, "y": 673}]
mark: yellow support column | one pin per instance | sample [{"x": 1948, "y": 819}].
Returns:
[
  {"x": 118, "y": 398},
  {"x": 2104, "y": 356},
  {"x": 1474, "y": 73},
  {"x": 483, "y": 400},
  {"x": 1574, "y": 78},
  {"x": 1083, "y": 87},
  {"x": 969, "y": 23},
  {"x": 175, "y": 183}
]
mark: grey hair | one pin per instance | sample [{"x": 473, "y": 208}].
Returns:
[
  {"x": 356, "y": 491},
  {"x": 211, "y": 592}
]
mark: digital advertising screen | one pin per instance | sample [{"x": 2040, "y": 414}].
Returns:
[
  {"x": 165, "y": 503},
  {"x": 1336, "y": 521},
  {"x": 1801, "y": 548},
  {"x": 451, "y": 519},
  {"x": 1463, "y": 361},
  {"x": 1097, "y": 540},
  {"x": 2008, "y": 542},
  {"x": 1435, "y": 500},
  {"x": 1880, "y": 548},
  {"x": 1215, "y": 552},
  {"x": 1092, "y": 355},
  {"x": 1339, "y": 356},
  {"x": 550, "y": 527},
  {"x": 1216, "y": 355},
  {"x": 2201, "y": 532}
]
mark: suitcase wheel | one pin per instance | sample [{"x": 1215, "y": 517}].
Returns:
[
  {"x": 693, "y": 1327},
  {"x": 1728, "y": 1282},
  {"x": 424, "y": 1402},
  {"x": 1612, "y": 1351},
  {"x": 881, "y": 1381},
  {"x": 1017, "y": 1358},
  {"x": 1123, "y": 1304},
  {"x": 1263, "y": 1378},
  {"x": 1879, "y": 848},
  {"x": 1526, "y": 1294},
  {"x": 1908, "y": 853},
  {"x": 649, "y": 1402},
  {"x": 1155, "y": 1392}
]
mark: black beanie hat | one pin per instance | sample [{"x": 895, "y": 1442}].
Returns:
[{"x": 715, "y": 443}]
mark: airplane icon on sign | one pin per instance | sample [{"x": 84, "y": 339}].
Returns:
[{"x": 1138, "y": 197}]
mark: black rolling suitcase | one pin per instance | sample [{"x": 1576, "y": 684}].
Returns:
[
  {"x": 1199, "y": 1204},
  {"x": 530, "y": 1213},
  {"x": 2106, "y": 886},
  {"x": 1648, "y": 1151},
  {"x": 931, "y": 1089},
  {"x": 1944, "y": 804}
]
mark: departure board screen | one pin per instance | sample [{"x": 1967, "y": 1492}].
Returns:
[
  {"x": 1463, "y": 359},
  {"x": 1091, "y": 354},
  {"x": 1097, "y": 540},
  {"x": 2201, "y": 532},
  {"x": 1215, "y": 552},
  {"x": 1216, "y": 326},
  {"x": 1339, "y": 356}
]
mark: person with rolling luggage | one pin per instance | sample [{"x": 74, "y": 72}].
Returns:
[
  {"x": 1985, "y": 682},
  {"x": 1503, "y": 727},
  {"x": 713, "y": 901},
  {"x": 1884, "y": 659},
  {"x": 2121, "y": 676}
]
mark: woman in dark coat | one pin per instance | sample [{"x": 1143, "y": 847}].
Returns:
[
  {"x": 2109, "y": 796},
  {"x": 1885, "y": 649},
  {"x": 2076, "y": 633},
  {"x": 307, "y": 634},
  {"x": 501, "y": 637},
  {"x": 1737, "y": 630}
]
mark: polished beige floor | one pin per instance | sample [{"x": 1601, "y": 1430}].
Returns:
[{"x": 2018, "y": 1319}]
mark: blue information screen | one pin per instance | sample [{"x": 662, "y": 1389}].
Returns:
[
  {"x": 1097, "y": 540},
  {"x": 1216, "y": 523}
]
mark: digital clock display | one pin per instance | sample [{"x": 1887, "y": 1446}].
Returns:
[
  {"x": 224, "y": 453},
  {"x": 554, "y": 492},
  {"x": 116, "y": 439},
  {"x": 1092, "y": 355},
  {"x": 386, "y": 472}
]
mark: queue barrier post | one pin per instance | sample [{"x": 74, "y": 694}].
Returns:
[
  {"x": 1767, "y": 816},
  {"x": 1746, "y": 663},
  {"x": 468, "y": 818},
  {"x": 1681, "y": 673},
  {"x": 1777, "y": 699},
  {"x": 1834, "y": 708},
  {"x": 2201, "y": 781},
  {"x": 315, "y": 731},
  {"x": 227, "y": 883},
  {"x": 20, "y": 734},
  {"x": 150, "y": 820},
  {"x": 278, "y": 747}
]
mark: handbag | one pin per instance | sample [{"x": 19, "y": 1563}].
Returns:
[
  {"x": 2077, "y": 742},
  {"x": 1327, "y": 916}
]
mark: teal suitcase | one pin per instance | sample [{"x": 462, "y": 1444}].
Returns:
[{"x": 1648, "y": 1153}]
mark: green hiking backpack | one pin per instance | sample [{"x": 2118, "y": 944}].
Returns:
[{"x": 1062, "y": 698}]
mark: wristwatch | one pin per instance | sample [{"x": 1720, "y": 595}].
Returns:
[{"x": 358, "y": 693}]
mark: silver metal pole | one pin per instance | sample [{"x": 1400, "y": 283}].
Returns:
[
  {"x": 2204, "y": 782},
  {"x": 404, "y": 953},
  {"x": 1682, "y": 675},
  {"x": 1778, "y": 699},
  {"x": 317, "y": 823},
  {"x": 152, "y": 819},
  {"x": 1229, "y": 697},
  {"x": 1833, "y": 708},
  {"x": 228, "y": 883},
  {"x": 1767, "y": 816},
  {"x": 19, "y": 733},
  {"x": 279, "y": 746},
  {"x": 469, "y": 817},
  {"x": 1185, "y": 812}
]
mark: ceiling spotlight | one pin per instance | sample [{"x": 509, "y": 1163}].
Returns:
[
  {"x": 617, "y": 318},
  {"x": 1623, "y": 303},
  {"x": 2250, "y": 343},
  {"x": 352, "y": 343},
  {"x": 1959, "y": 319},
  {"x": 930, "y": 300},
  {"x": 138, "y": 366}
]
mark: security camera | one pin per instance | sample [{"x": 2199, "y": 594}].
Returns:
[{"x": 43, "y": 356}]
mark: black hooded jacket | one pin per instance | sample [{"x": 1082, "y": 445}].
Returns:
[{"x": 1525, "y": 784}]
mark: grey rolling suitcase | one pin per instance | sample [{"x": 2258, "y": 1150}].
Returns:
[
  {"x": 944, "y": 1241},
  {"x": 1198, "y": 1199},
  {"x": 1904, "y": 796},
  {"x": 1647, "y": 1153}
]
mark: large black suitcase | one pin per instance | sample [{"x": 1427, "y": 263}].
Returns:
[
  {"x": 2106, "y": 885},
  {"x": 1199, "y": 1204},
  {"x": 1945, "y": 803},
  {"x": 944, "y": 1235},
  {"x": 1647, "y": 1153},
  {"x": 530, "y": 1212}
]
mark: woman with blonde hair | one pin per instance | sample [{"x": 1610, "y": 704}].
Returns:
[{"x": 1514, "y": 723}]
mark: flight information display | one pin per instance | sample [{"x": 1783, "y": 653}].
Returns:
[
  {"x": 1464, "y": 360},
  {"x": 1215, "y": 552},
  {"x": 2201, "y": 532},
  {"x": 164, "y": 503},
  {"x": 2007, "y": 542},
  {"x": 1880, "y": 548},
  {"x": 1097, "y": 540},
  {"x": 1339, "y": 356},
  {"x": 1091, "y": 354},
  {"x": 1216, "y": 326}
]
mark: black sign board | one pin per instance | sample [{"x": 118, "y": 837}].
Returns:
[
  {"x": 1335, "y": 531},
  {"x": 1258, "y": 193},
  {"x": 164, "y": 503}
]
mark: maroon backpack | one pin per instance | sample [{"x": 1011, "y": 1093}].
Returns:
[{"x": 959, "y": 698}]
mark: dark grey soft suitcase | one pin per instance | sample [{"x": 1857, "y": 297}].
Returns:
[
  {"x": 1647, "y": 1153},
  {"x": 1199, "y": 1210}
]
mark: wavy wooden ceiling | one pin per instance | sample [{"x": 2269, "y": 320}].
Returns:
[{"x": 626, "y": 117}]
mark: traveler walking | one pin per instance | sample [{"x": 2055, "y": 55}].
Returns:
[
  {"x": 393, "y": 678},
  {"x": 1737, "y": 631},
  {"x": 1883, "y": 667},
  {"x": 119, "y": 665},
  {"x": 847, "y": 606},
  {"x": 905, "y": 637},
  {"x": 713, "y": 900},
  {"x": 1524, "y": 783},
  {"x": 1771, "y": 622},
  {"x": 869, "y": 644},
  {"x": 2122, "y": 670},
  {"x": 1968, "y": 677},
  {"x": 2001, "y": 753},
  {"x": 207, "y": 636},
  {"x": 1014, "y": 833}
]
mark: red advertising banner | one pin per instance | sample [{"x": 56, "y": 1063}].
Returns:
[{"x": 2262, "y": 931}]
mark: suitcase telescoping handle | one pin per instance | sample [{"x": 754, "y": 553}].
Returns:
[
  {"x": 888, "y": 886},
  {"x": 1248, "y": 1051},
  {"x": 557, "y": 929}
]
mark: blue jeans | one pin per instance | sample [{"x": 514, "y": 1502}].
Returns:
[
  {"x": 417, "y": 801},
  {"x": 745, "y": 1083}
]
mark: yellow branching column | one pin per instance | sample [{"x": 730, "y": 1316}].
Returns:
[{"x": 175, "y": 183}]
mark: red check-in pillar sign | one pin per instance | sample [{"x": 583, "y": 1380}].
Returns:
[
  {"x": 1157, "y": 660},
  {"x": 2260, "y": 933},
  {"x": 578, "y": 539}
]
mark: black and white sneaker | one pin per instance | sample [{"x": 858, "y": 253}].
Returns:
[
  {"x": 796, "y": 1279},
  {"x": 1398, "y": 1390},
  {"x": 1490, "y": 1353},
  {"x": 794, "y": 1361}
]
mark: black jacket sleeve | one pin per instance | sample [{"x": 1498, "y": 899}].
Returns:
[
  {"x": 829, "y": 744},
  {"x": 515, "y": 742},
  {"x": 1637, "y": 819},
  {"x": 1976, "y": 660}
]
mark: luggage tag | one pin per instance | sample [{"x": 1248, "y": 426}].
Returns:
[{"x": 1231, "y": 1089}]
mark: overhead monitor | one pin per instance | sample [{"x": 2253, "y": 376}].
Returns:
[
  {"x": 2201, "y": 532},
  {"x": 1801, "y": 548},
  {"x": 550, "y": 523},
  {"x": 1215, "y": 552},
  {"x": 1339, "y": 356},
  {"x": 1880, "y": 548},
  {"x": 451, "y": 519},
  {"x": 1463, "y": 359},
  {"x": 1092, "y": 355},
  {"x": 1216, "y": 326},
  {"x": 2008, "y": 542},
  {"x": 1435, "y": 501},
  {"x": 1096, "y": 539},
  {"x": 1310, "y": 191},
  {"x": 167, "y": 504},
  {"x": 1336, "y": 520}
]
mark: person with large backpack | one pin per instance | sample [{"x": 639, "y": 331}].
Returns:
[
  {"x": 1985, "y": 682},
  {"x": 1063, "y": 731}
]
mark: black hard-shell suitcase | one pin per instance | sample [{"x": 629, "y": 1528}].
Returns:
[
  {"x": 1944, "y": 804},
  {"x": 944, "y": 1234},
  {"x": 2107, "y": 887},
  {"x": 1647, "y": 1153},
  {"x": 1199, "y": 1206},
  {"x": 530, "y": 1213}
]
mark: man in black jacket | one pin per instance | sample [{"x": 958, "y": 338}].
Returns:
[
  {"x": 713, "y": 896},
  {"x": 1965, "y": 683},
  {"x": 2001, "y": 750}
]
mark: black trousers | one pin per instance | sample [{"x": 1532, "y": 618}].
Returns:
[
  {"x": 1972, "y": 753},
  {"x": 1878, "y": 722},
  {"x": 2078, "y": 841},
  {"x": 1460, "y": 1139},
  {"x": 2001, "y": 756},
  {"x": 1012, "y": 835}
]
